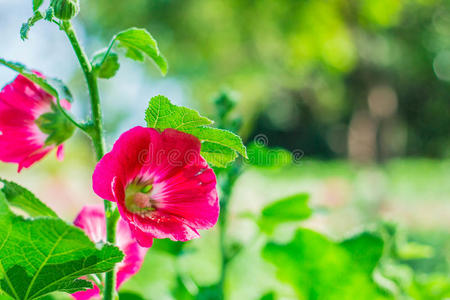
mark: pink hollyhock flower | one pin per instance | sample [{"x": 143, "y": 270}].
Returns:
[
  {"x": 92, "y": 220},
  {"x": 31, "y": 124},
  {"x": 162, "y": 186}
]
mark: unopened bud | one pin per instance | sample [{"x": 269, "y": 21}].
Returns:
[{"x": 65, "y": 9}]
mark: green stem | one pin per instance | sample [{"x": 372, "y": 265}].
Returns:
[
  {"x": 230, "y": 178},
  {"x": 223, "y": 251},
  {"x": 95, "y": 130}
]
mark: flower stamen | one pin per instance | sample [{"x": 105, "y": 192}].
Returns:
[{"x": 138, "y": 198}]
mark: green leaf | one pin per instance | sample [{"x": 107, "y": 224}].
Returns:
[
  {"x": 365, "y": 249},
  {"x": 162, "y": 114},
  {"x": 109, "y": 67},
  {"x": 219, "y": 146},
  {"x": 268, "y": 296},
  {"x": 37, "y": 4},
  {"x": 130, "y": 296},
  {"x": 318, "y": 268},
  {"x": 264, "y": 157},
  {"x": 22, "y": 198},
  {"x": 49, "y": 14},
  {"x": 289, "y": 209},
  {"x": 43, "y": 255},
  {"x": 139, "y": 42},
  {"x": 217, "y": 155},
  {"x": 220, "y": 137},
  {"x": 30, "y": 23},
  {"x": 53, "y": 86}
]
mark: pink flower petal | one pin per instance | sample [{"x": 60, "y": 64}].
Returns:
[
  {"x": 92, "y": 220},
  {"x": 60, "y": 152}
]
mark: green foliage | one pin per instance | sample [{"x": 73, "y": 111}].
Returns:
[
  {"x": 107, "y": 68},
  {"x": 430, "y": 287},
  {"x": 211, "y": 292},
  {"x": 22, "y": 198},
  {"x": 413, "y": 250},
  {"x": 268, "y": 296},
  {"x": 217, "y": 155},
  {"x": 43, "y": 255},
  {"x": 219, "y": 146},
  {"x": 168, "y": 246},
  {"x": 318, "y": 268},
  {"x": 56, "y": 126},
  {"x": 224, "y": 103},
  {"x": 398, "y": 246},
  {"x": 130, "y": 296},
  {"x": 220, "y": 137},
  {"x": 395, "y": 273},
  {"x": 37, "y": 4},
  {"x": 264, "y": 157},
  {"x": 30, "y": 23},
  {"x": 138, "y": 43},
  {"x": 162, "y": 114},
  {"x": 365, "y": 249},
  {"x": 53, "y": 86},
  {"x": 300, "y": 61},
  {"x": 289, "y": 209}
]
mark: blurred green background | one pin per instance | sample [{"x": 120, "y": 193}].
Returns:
[{"x": 359, "y": 89}]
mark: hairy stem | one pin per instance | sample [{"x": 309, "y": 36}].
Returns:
[
  {"x": 95, "y": 131},
  {"x": 223, "y": 251}
]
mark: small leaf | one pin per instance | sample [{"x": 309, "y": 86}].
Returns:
[
  {"x": 162, "y": 114},
  {"x": 366, "y": 249},
  {"x": 221, "y": 137},
  {"x": 53, "y": 86},
  {"x": 37, "y": 4},
  {"x": 22, "y": 198},
  {"x": 49, "y": 13},
  {"x": 109, "y": 67},
  {"x": 44, "y": 255},
  {"x": 289, "y": 209},
  {"x": 217, "y": 155},
  {"x": 30, "y": 23},
  {"x": 139, "y": 42},
  {"x": 264, "y": 157}
]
